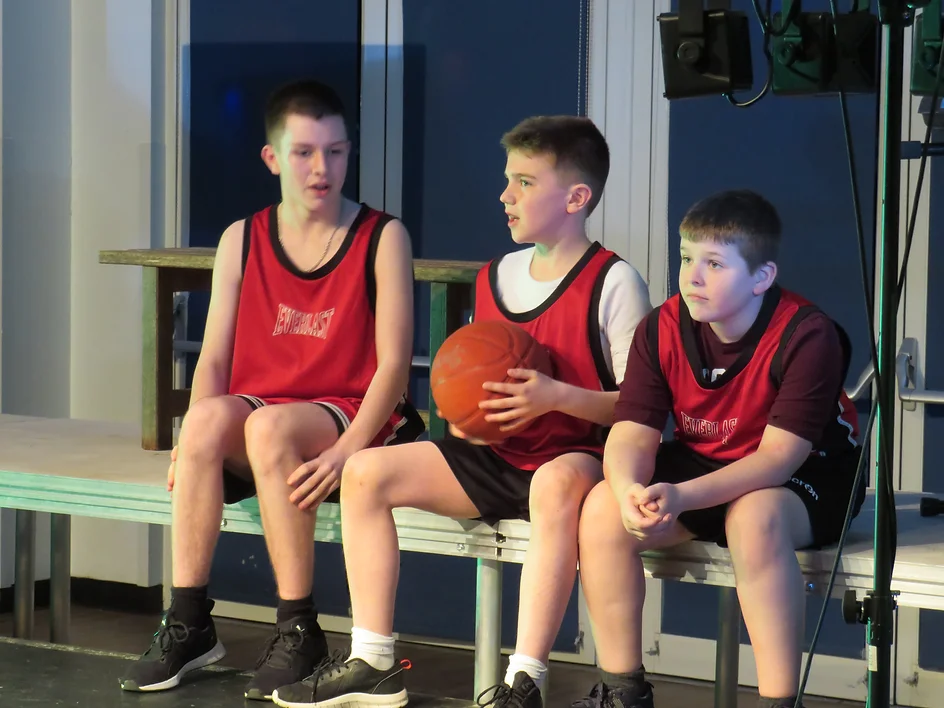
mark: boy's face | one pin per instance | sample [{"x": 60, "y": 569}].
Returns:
[
  {"x": 537, "y": 199},
  {"x": 311, "y": 159},
  {"x": 715, "y": 281}
]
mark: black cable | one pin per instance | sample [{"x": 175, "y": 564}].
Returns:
[{"x": 832, "y": 575}]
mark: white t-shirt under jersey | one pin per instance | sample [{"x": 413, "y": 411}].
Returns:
[{"x": 623, "y": 302}]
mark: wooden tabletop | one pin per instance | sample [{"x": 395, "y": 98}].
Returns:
[{"x": 428, "y": 270}]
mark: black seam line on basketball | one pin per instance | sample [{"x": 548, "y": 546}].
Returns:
[
  {"x": 530, "y": 315},
  {"x": 750, "y": 341},
  {"x": 325, "y": 269}
]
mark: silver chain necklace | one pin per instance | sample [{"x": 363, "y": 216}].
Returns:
[{"x": 324, "y": 253}]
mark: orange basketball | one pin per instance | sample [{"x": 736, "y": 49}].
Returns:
[{"x": 472, "y": 355}]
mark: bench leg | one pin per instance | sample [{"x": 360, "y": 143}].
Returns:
[
  {"x": 25, "y": 588},
  {"x": 487, "y": 624},
  {"x": 60, "y": 578},
  {"x": 728, "y": 649}
]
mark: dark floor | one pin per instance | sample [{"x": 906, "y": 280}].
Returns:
[{"x": 436, "y": 671}]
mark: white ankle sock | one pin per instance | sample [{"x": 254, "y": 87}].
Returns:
[
  {"x": 532, "y": 667},
  {"x": 375, "y": 649}
]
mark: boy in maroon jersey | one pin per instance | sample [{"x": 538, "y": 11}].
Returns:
[
  {"x": 764, "y": 456},
  {"x": 305, "y": 361},
  {"x": 582, "y": 303}
]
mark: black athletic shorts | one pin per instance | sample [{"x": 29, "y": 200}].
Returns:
[
  {"x": 824, "y": 486},
  {"x": 498, "y": 490}
]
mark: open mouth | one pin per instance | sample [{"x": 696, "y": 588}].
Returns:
[{"x": 321, "y": 189}]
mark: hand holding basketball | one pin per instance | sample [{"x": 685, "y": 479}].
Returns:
[
  {"x": 533, "y": 394},
  {"x": 484, "y": 352}
]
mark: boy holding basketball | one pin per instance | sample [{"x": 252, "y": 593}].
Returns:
[
  {"x": 764, "y": 457},
  {"x": 305, "y": 361},
  {"x": 556, "y": 169}
]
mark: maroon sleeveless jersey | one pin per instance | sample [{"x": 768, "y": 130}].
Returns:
[
  {"x": 723, "y": 416},
  {"x": 568, "y": 325},
  {"x": 302, "y": 336}
]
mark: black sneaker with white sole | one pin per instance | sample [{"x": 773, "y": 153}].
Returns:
[
  {"x": 290, "y": 655},
  {"x": 175, "y": 651},
  {"x": 602, "y": 696},
  {"x": 523, "y": 693},
  {"x": 336, "y": 682}
]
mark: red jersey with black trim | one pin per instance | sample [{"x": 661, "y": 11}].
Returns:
[
  {"x": 723, "y": 415},
  {"x": 567, "y": 324},
  {"x": 300, "y": 335}
]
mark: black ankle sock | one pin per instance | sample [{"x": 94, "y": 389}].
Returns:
[
  {"x": 776, "y": 702},
  {"x": 190, "y": 605},
  {"x": 290, "y": 609},
  {"x": 634, "y": 679}
]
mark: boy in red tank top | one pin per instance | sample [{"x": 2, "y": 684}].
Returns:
[
  {"x": 763, "y": 459},
  {"x": 305, "y": 361},
  {"x": 581, "y": 302}
]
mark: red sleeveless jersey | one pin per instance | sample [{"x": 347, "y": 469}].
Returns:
[
  {"x": 301, "y": 336},
  {"x": 568, "y": 325},
  {"x": 724, "y": 419}
]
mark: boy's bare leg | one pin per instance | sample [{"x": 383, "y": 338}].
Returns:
[
  {"x": 375, "y": 482},
  {"x": 279, "y": 439},
  {"x": 558, "y": 490},
  {"x": 212, "y": 435},
  {"x": 764, "y": 528},
  {"x": 613, "y": 581}
]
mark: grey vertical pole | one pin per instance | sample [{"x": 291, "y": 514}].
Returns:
[
  {"x": 24, "y": 590},
  {"x": 487, "y": 624},
  {"x": 60, "y": 578},
  {"x": 728, "y": 649}
]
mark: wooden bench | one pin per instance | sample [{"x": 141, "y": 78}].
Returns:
[{"x": 71, "y": 467}]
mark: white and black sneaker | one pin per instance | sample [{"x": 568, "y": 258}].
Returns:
[
  {"x": 175, "y": 651},
  {"x": 291, "y": 654},
  {"x": 336, "y": 682}
]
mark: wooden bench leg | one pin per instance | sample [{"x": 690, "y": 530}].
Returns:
[
  {"x": 488, "y": 588},
  {"x": 728, "y": 648},
  {"x": 25, "y": 588},
  {"x": 60, "y": 578},
  {"x": 157, "y": 324}
]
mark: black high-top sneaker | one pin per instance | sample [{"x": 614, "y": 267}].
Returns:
[
  {"x": 523, "y": 693},
  {"x": 602, "y": 696},
  {"x": 175, "y": 651},
  {"x": 336, "y": 682},
  {"x": 290, "y": 655}
]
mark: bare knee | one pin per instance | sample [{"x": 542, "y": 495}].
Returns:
[
  {"x": 558, "y": 490},
  {"x": 760, "y": 527},
  {"x": 363, "y": 479},
  {"x": 267, "y": 442},
  {"x": 600, "y": 520},
  {"x": 207, "y": 428}
]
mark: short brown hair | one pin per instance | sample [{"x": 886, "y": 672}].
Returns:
[
  {"x": 738, "y": 216},
  {"x": 307, "y": 98},
  {"x": 574, "y": 142}
]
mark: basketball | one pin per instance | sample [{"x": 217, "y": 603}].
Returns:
[{"x": 472, "y": 355}]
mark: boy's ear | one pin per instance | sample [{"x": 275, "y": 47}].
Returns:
[
  {"x": 579, "y": 198},
  {"x": 270, "y": 160},
  {"x": 764, "y": 277}
]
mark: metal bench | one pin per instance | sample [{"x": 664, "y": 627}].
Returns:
[{"x": 71, "y": 467}]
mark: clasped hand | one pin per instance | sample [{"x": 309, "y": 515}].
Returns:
[{"x": 648, "y": 511}]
